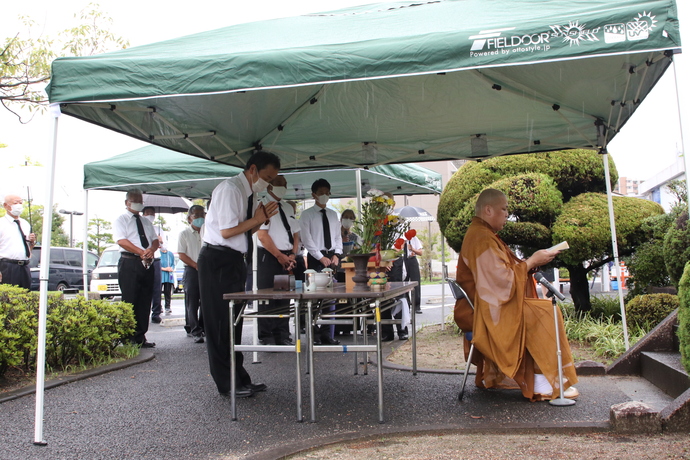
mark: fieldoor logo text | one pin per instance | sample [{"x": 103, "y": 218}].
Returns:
[{"x": 505, "y": 40}]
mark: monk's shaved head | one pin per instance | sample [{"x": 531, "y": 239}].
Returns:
[{"x": 491, "y": 197}]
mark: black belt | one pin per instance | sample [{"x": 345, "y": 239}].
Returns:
[
  {"x": 129, "y": 255},
  {"x": 225, "y": 249},
  {"x": 18, "y": 262}
]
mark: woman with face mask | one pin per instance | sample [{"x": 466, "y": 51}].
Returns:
[{"x": 347, "y": 221}]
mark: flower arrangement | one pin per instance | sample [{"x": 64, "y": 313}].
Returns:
[{"x": 377, "y": 224}]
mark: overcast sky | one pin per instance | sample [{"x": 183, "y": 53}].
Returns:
[{"x": 649, "y": 142}]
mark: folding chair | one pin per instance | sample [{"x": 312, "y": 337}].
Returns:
[{"x": 459, "y": 293}]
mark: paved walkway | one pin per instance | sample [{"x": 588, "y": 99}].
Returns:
[{"x": 168, "y": 408}]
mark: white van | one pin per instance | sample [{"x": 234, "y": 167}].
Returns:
[{"x": 104, "y": 277}]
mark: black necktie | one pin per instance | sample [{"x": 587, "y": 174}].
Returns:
[
  {"x": 326, "y": 230},
  {"x": 142, "y": 233},
  {"x": 26, "y": 246},
  {"x": 283, "y": 217},
  {"x": 250, "y": 206}
]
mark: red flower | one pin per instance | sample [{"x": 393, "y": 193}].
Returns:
[
  {"x": 411, "y": 233},
  {"x": 399, "y": 244},
  {"x": 378, "y": 233}
]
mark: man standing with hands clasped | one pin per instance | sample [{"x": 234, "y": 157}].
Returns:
[
  {"x": 16, "y": 243},
  {"x": 278, "y": 249},
  {"x": 232, "y": 218},
  {"x": 320, "y": 230},
  {"x": 138, "y": 243}
]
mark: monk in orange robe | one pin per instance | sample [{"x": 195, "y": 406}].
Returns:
[{"x": 513, "y": 330}]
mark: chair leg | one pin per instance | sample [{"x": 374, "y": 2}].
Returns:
[{"x": 467, "y": 371}]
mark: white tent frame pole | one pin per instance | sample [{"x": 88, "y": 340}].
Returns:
[
  {"x": 614, "y": 244},
  {"x": 85, "y": 246},
  {"x": 682, "y": 139},
  {"x": 43, "y": 294},
  {"x": 358, "y": 188}
]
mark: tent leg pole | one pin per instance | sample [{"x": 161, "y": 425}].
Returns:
[
  {"x": 43, "y": 295},
  {"x": 614, "y": 244},
  {"x": 85, "y": 247},
  {"x": 358, "y": 186},
  {"x": 682, "y": 138}
]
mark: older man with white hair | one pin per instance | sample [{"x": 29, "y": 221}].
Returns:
[{"x": 16, "y": 243}]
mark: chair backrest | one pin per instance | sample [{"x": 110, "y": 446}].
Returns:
[{"x": 458, "y": 292}]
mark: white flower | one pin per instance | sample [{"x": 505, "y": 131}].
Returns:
[{"x": 375, "y": 192}]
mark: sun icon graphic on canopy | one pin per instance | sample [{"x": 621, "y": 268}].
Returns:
[
  {"x": 573, "y": 32},
  {"x": 647, "y": 18}
]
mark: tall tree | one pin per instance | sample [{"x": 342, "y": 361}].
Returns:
[
  {"x": 552, "y": 196},
  {"x": 98, "y": 234},
  {"x": 25, "y": 58}
]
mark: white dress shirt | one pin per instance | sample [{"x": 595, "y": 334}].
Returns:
[
  {"x": 189, "y": 243},
  {"x": 276, "y": 228},
  {"x": 228, "y": 210},
  {"x": 125, "y": 228},
  {"x": 311, "y": 225},
  {"x": 11, "y": 245}
]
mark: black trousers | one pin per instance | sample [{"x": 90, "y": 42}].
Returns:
[
  {"x": 395, "y": 274},
  {"x": 18, "y": 275},
  {"x": 325, "y": 330},
  {"x": 192, "y": 302},
  {"x": 167, "y": 294},
  {"x": 156, "y": 308},
  {"x": 221, "y": 272},
  {"x": 413, "y": 274},
  {"x": 136, "y": 284},
  {"x": 271, "y": 328}
]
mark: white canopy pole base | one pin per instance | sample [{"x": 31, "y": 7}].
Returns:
[
  {"x": 43, "y": 296},
  {"x": 614, "y": 243}
]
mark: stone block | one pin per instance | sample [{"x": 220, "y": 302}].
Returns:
[
  {"x": 588, "y": 367},
  {"x": 634, "y": 417}
]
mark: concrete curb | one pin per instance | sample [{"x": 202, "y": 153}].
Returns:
[
  {"x": 429, "y": 430},
  {"x": 142, "y": 357}
]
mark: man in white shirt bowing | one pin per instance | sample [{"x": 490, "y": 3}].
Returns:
[
  {"x": 231, "y": 219},
  {"x": 278, "y": 249},
  {"x": 320, "y": 231},
  {"x": 138, "y": 243}
]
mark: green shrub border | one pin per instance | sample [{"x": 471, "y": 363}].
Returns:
[
  {"x": 78, "y": 331},
  {"x": 684, "y": 317}
]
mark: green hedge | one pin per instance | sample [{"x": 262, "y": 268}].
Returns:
[
  {"x": 78, "y": 331},
  {"x": 684, "y": 317},
  {"x": 649, "y": 310}
]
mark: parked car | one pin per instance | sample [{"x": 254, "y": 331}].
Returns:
[
  {"x": 104, "y": 277},
  {"x": 65, "y": 268}
]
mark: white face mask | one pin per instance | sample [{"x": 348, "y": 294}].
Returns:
[
  {"x": 150, "y": 218},
  {"x": 138, "y": 207},
  {"x": 322, "y": 199},
  {"x": 17, "y": 209},
  {"x": 279, "y": 191},
  {"x": 347, "y": 223},
  {"x": 260, "y": 184}
]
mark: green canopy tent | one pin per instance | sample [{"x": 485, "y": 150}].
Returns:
[
  {"x": 158, "y": 171},
  {"x": 383, "y": 83}
]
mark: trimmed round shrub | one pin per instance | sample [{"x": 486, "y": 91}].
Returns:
[
  {"x": 18, "y": 326},
  {"x": 677, "y": 247},
  {"x": 684, "y": 317},
  {"x": 646, "y": 311}
]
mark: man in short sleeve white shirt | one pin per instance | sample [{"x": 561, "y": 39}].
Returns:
[
  {"x": 16, "y": 243},
  {"x": 138, "y": 243},
  {"x": 188, "y": 247}
]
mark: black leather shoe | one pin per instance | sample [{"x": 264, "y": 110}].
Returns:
[
  {"x": 317, "y": 341},
  {"x": 387, "y": 338},
  {"x": 243, "y": 392},
  {"x": 198, "y": 339},
  {"x": 148, "y": 345},
  {"x": 418, "y": 311},
  {"x": 156, "y": 319},
  {"x": 329, "y": 341},
  {"x": 256, "y": 387},
  {"x": 284, "y": 342},
  {"x": 402, "y": 337}
]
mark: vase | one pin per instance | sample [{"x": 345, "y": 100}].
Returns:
[{"x": 360, "y": 278}]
